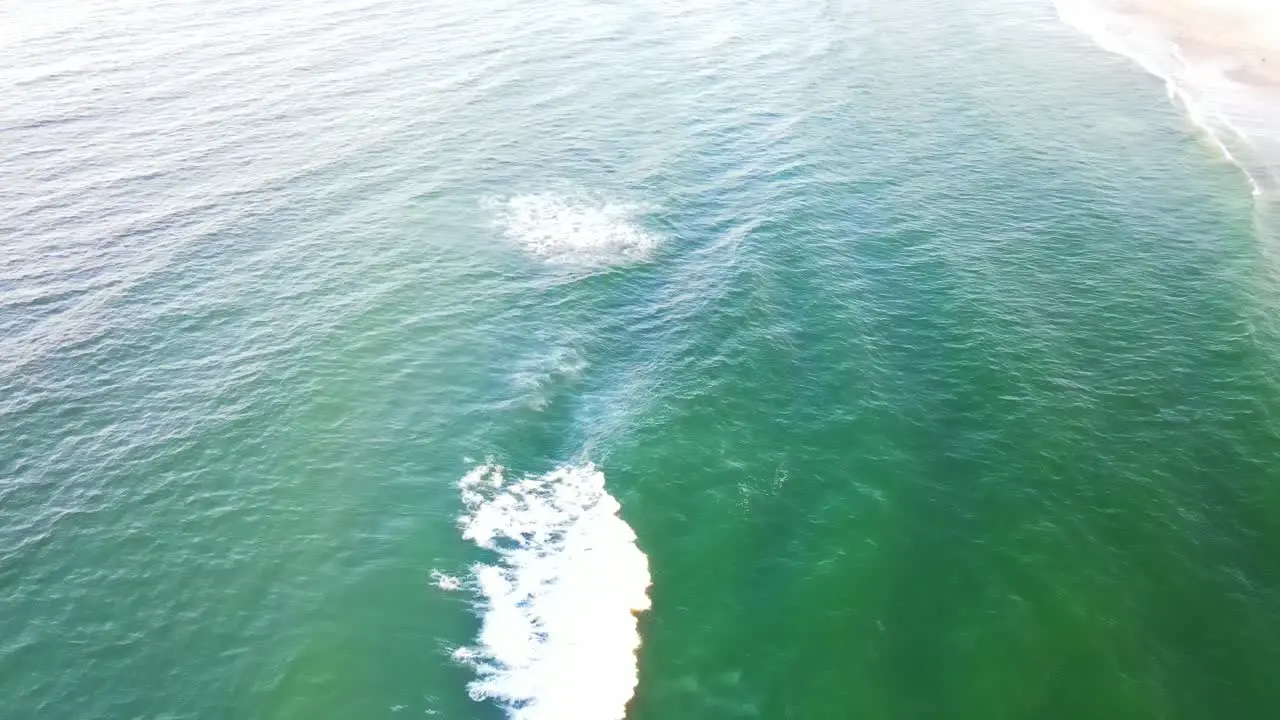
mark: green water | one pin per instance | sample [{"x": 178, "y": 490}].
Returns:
[{"x": 933, "y": 357}]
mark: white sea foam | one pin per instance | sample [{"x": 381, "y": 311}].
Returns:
[
  {"x": 575, "y": 229},
  {"x": 445, "y": 581},
  {"x": 559, "y": 629}
]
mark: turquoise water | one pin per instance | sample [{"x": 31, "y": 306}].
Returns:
[{"x": 930, "y": 355}]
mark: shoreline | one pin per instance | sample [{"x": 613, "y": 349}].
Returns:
[{"x": 1220, "y": 60}]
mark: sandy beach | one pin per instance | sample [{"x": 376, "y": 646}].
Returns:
[
  {"x": 1242, "y": 35},
  {"x": 1220, "y": 57}
]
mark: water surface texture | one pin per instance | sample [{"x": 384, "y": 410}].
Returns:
[{"x": 559, "y": 360}]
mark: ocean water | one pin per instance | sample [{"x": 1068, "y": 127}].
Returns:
[{"x": 586, "y": 359}]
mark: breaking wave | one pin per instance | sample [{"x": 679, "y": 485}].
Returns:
[{"x": 559, "y": 602}]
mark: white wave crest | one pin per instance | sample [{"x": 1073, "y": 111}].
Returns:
[
  {"x": 572, "y": 230},
  {"x": 559, "y": 630}
]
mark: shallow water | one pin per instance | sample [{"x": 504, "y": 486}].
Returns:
[{"x": 928, "y": 353}]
